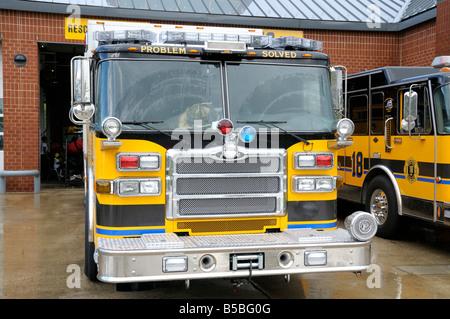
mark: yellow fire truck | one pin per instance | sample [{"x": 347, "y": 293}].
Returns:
[
  {"x": 399, "y": 163},
  {"x": 211, "y": 153}
]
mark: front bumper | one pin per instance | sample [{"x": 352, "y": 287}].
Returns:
[{"x": 146, "y": 258}]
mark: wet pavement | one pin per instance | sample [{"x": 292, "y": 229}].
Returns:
[{"x": 42, "y": 252}]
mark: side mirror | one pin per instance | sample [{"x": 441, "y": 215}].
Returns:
[
  {"x": 409, "y": 110},
  {"x": 337, "y": 91},
  {"x": 82, "y": 106}
]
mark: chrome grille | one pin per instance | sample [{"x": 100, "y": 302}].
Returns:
[
  {"x": 195, "y": 165},
  {"x": 201, "y": 184},
  {"x": 227, "y": 185},
  {"x": 214, "y": 206}
]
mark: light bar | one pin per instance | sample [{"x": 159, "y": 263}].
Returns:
[
  {"x": 297, "y": 43},
  {"x": 217, "y": 39},
  {"x": 441, "y": 62},
  {"x": 178, "y": 37},
  {"x": 125, "y": 36}
]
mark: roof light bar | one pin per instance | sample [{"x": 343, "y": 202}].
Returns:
[
  {"x": 219, "y": 41},
  {"x": 297, "y": 43},
  {"x": 441, "y": 62},
  {"x": 125, "y": 36},
  {"x": 204, "y": 37}
]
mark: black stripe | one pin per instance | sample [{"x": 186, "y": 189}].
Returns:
[
  {"x": 311, "y": 210},
  {"x": 130, "y": 215},
  {"x": 397, "y": 166}
]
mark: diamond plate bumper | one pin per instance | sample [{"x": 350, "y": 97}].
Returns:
[{"x": 220, "y": 256}]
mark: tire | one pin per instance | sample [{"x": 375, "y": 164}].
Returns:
[
  {"x": 382, "y": 203},
  {"x": 90, "y": 266}
]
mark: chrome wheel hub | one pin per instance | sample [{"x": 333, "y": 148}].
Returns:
[{"x": 379, "y": 206}]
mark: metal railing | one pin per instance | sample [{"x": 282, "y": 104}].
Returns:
[{"x": 35, "y": 173}]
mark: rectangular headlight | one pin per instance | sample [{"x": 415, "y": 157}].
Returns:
[
  {"x": 310, "y": 184},
  {"x": 128, "y": 187},
  {"x": 150, "y": 187},
  {"x": 305, "y": 184},
  {"x": 174, "y": 264},
  {"x": 325, "y": 184}
]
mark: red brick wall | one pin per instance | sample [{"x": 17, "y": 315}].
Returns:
[
  {"x": 418, "y": 45},
  {"x": 443, "y": 28},
  {"x": 21, "y": 32},
  {"x": 357, "y": 50}
]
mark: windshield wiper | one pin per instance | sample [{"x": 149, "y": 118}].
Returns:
[
  {"x": 273, "y": 124},
  {"x": 146, "y": 124}
]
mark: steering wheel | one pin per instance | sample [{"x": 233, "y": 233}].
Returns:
[{"x": 277, "y": 100}]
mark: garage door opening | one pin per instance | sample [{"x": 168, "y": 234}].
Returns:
[{"x": 56, "y": 130}]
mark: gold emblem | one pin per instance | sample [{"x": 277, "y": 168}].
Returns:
[{"x": 411, "y": 170}]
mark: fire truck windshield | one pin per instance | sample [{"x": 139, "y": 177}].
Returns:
[
  {"x": 173, "y": 94},
  {"x": 180, "y": 94},
  {"x": 298, "y": 97},
  {"x": 442, "y": 98}
]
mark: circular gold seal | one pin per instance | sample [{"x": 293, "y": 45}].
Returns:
[{"x": 411, "y": 170}]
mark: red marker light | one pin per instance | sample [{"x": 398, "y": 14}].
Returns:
[
  {"x": 324, "y": 160},
  {"x": 225, "y": 126},
  {"x": 129, "y": 162}
]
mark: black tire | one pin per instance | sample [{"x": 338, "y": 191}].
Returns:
[
  {"x": 382, "y": 203},
  {"x": 90, "y": 266}
]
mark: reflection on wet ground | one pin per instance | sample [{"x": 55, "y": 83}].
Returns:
[{"x": 42, "y": 252}]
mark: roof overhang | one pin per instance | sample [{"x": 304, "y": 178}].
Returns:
[{"x": 201, "y": 18}]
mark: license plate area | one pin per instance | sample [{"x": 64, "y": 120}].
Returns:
[{"x": 247, "y": 261}]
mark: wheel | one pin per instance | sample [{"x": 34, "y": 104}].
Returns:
[
  {"x": 381, "y": 202},
  {"x": 90, "y": 266}
]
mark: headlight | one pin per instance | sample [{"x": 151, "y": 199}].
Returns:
[
  {"x": 345, "y": 127},
  {"x": 312, "y": 184},
  {"x": 111, "y": 127},
  {"x": 305, "y": 184},
  {"x": 150, "y": 187},
  {"x": 139, "y": 187}
]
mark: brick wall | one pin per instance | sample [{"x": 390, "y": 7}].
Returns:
[
  {"x": 21, "y": 32},
  {"x": 358, "y": 51},
  {"x": 443, "y": 28},
  {"x": 418, "y": 45}
]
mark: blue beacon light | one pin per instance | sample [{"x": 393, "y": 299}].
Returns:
[{"x": 247, "y": 134}]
